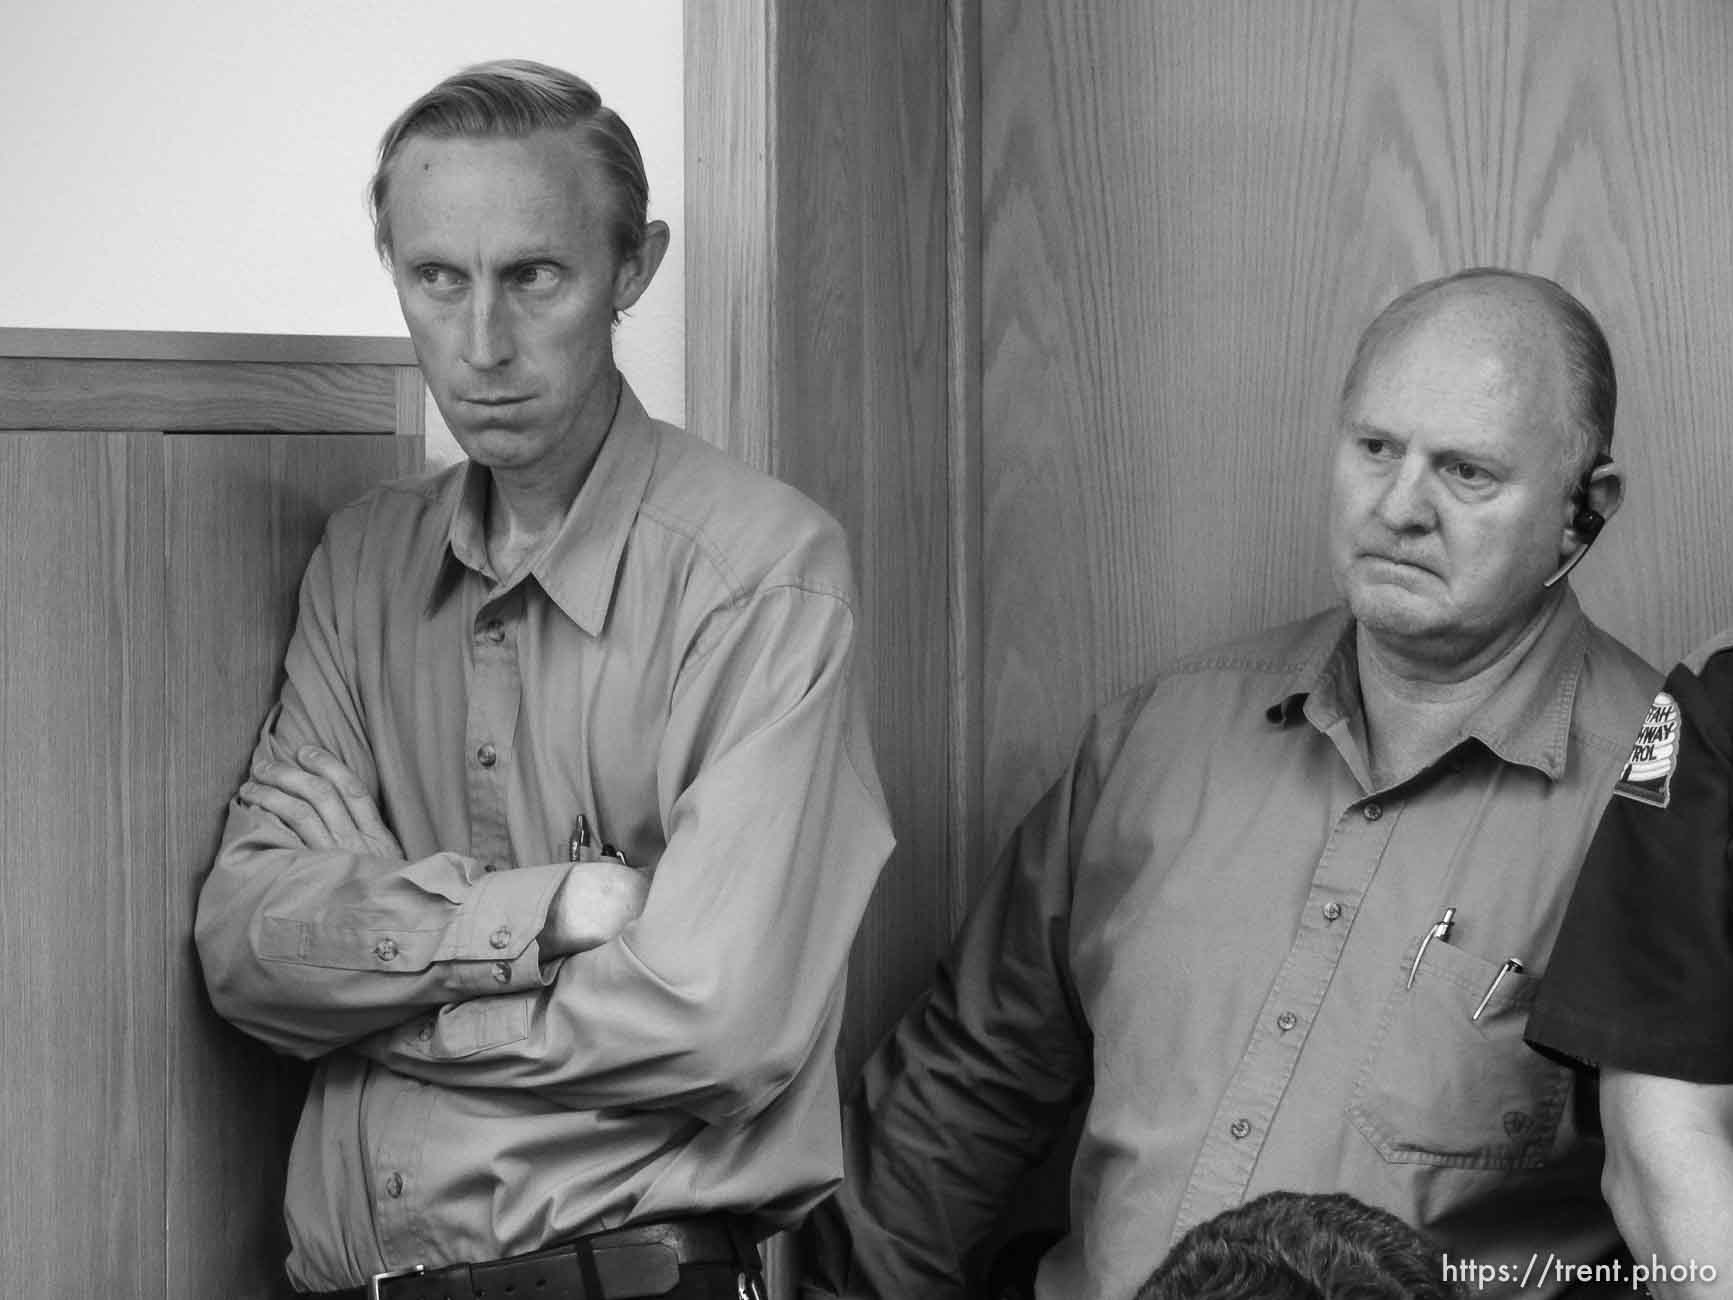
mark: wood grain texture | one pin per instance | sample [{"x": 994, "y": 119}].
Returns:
[
  {"x": 244, "y": 512},
  {"x": 822, "y": 244},
  {"x": 81, "y": 935},
  {"x": 195, "y": 345},
  {"x": 47, "y": 392},
  {"x": 862, "y": 420},
  {"x": 731, "y": 224},
  {"x": 411, "y": 399},
  {"x": 817, "y": 348},
  {"x": 141, "y": 1142},
  {"x": 1191, "y": 209},
  {"x": 964, "y": 605}
]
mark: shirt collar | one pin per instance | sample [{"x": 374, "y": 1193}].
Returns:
[
  {"x": 1526, "y": 721},
  {"x": 579, "y": 567},
  {"x": 1324, "y": 684}
]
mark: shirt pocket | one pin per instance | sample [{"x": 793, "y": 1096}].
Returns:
[{"x": 1438, "y": 1087}]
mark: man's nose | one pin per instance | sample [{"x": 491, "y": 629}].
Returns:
[
  {"x": 487, "y": 342},
  {"x": 1406, "y": 502}
]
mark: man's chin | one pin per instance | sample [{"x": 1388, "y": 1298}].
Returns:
[
  {"x": 497, "y": 446},
  {"x": 1397, "y": 614}
]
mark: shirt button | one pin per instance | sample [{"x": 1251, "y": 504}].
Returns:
[
  {"x": 494, "y": 631},
  {"x": 1286, "y": 1021},
  {"x": 1332, "y": 911},
  {"x": 502, "y": 971},
  {"x": 487, "y": 755},
  {"x": 385, "y": 949},
  {"x": 1372, "y": 812},
  {"x": 1239, "y": 1128},
  {"x": 394, "y": 1185},
  {"x": 500, "y": 937}
]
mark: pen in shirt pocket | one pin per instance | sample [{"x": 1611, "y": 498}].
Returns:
[
  {"x": 1511, "y": 966},
  {"x": 578, "y": 846},
  {"x": 1440, "y": 931}
]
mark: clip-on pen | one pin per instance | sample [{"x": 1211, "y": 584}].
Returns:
[
  {"x": 579, "y": 843},
  {"x": 1441, "y": 931}
]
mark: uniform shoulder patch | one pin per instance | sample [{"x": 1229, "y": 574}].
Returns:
[{"x": 1648, "y": 774}]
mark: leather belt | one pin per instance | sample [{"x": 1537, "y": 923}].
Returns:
[{"x": 617, "y": 1264}]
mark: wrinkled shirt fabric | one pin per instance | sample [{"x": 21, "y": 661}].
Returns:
[
  {"x": 1210, "y": 921},
  {"x": 678, "y": 667}
]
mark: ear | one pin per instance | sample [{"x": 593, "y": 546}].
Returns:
[
  {"x": 1606, "y": 489},
  {"x": 1603, "y": 493},
  {"x": 636, "y": 272}
]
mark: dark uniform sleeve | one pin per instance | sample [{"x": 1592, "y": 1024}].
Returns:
[{"x": 1642, "y": 974}]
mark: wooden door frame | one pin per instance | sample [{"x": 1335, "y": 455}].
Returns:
[{"x": 744, "y": 174}]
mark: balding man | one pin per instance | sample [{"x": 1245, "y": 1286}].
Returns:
[{"x": 1282, "y": 917}]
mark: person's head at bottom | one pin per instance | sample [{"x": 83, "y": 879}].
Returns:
[{"x": 1301, "y": 1246}]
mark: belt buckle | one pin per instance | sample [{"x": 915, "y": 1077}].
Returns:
[{"x": 388, "y": 1275}]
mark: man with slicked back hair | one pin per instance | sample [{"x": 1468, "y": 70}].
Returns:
[{"x": 554, "y": 845}]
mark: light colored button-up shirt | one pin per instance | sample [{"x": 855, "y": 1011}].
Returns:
[
  {"x": 1212, "y": 919},
  {"x": 678, "y": 668}
]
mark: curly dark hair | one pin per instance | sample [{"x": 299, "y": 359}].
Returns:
[{"x": 1301, "y": 1246}]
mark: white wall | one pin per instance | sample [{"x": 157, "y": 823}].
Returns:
[{"x": 202, "y": 165}]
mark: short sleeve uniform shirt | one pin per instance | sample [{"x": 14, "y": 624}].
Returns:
[{"x": 1643, "y": 971}]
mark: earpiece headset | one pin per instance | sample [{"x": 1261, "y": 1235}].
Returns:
[{"x": 1587, "y": 522}]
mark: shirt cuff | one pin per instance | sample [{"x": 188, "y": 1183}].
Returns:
[{"x": 493, "y": 948}]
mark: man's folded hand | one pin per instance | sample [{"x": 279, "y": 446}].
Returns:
[
  {"x": 596, "y": 902},
  {"x": 322, "y": 801}
]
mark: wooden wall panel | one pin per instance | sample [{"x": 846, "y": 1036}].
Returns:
[
  {"x": 200, "y": 345},
  {"x": 827, "y": 147},
  {"x": 1190, "y": 210},
  {"x": 963, "y": 500},
  {"x": 731, "y": 223},
  {"x": 860, "y": 419},
  {"x": 81, "y": 933},
  {"x": 229, "y": 395},
  {"x": 245, "y": 512},
  {"x": 818, "y": 350}
]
